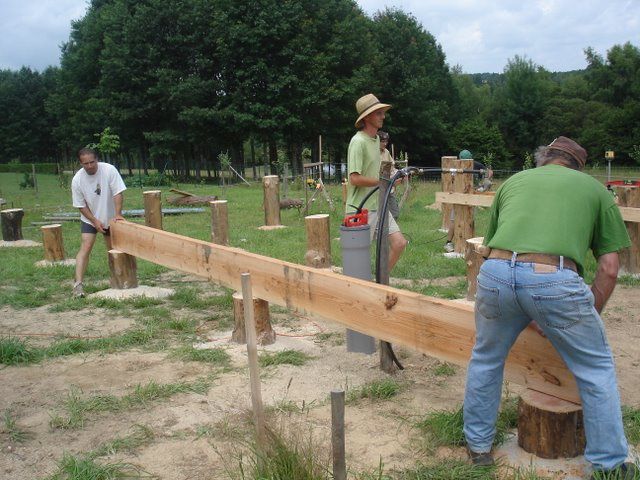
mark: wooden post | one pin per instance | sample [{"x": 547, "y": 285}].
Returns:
[
  {"x": 447, "y": 186},
  {"x": 52, "y": 241},
  {"x": 464, "y": 221},
  {"x": 550, "y": 427},
  {"x": 123, "y": 269},
  {"x": 262, "y": 320},
  {"x": 344, "y": 192},
  {"x": 386, "y": 353},
  {"x": 153, "y": 209},
  {"x": 629, "y": 196},
  {"x": 337, "y": 435},
  {"x": 474, "y": 261},
  {"x": 219, "y": 222},
  {"x": 252, "y": 353},
  {"x": 271, "y": 200},
  {"x": 318, "y": 241},
  {"x": 12, "y": 224}
]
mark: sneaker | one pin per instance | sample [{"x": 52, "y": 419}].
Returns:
[
  {"x": 626, "y": 471},
  {"x": 481, "y": 459},
  {"x": 78, "y": 290},
  {"x": 448, "y": 247}
]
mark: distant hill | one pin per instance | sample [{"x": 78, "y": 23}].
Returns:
[{"x": 498, "y": 78}]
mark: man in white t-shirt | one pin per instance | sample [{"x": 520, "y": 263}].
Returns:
[{"x": 97, "y": 191}]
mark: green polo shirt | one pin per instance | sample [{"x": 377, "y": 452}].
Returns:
[
  {"x": 363, "y": 157},
  {"x": 556, "y": 210}
]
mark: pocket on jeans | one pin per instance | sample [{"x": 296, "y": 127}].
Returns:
[
  {"x": 560, "y": 311},
  {"x": 488, "y": 301}
]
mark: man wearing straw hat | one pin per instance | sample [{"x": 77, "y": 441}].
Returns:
[{"x": 363, "y": 161}]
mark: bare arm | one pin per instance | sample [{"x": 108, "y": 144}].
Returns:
[
  {"x": 358, "y": 180},
  {"x": 117, "y": 200},
  {"x": 89, "y": 215},
  {"x": 606, "y": 278}
]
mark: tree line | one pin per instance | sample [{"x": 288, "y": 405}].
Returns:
[{"x": 179, "y": 83}]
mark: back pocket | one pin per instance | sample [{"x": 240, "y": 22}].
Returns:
[
  {"x": 488, "y": 302},
  {"x": 559, "y": 311}
]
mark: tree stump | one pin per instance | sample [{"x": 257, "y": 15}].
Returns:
[
  {"x": 264, "y": 332},
  {"x": 123, "y": 269},
  {"x": 474, "y": 261},
  {"x": 153, "y": 209},
  {"x": 318, "y": 241},
  {"x": 52, "y": 241},
  {"x": 271, "y": 200},
  {"x": 629, "y": 196},
  {"x": 12, "y": 224},
  {"x": 550, "y": 427},
  {"x": 219, "y": 222}
]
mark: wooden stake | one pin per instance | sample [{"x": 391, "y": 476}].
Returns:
[
  {"x": 219, "y": 222},
  {"x": 337, "y": 435},
  {"x": 271, "y": 200},
  {"x": 123, "y": 269},
  {"x": 550, "y": 427},
  {"x": 318, "y": 241},
  {"x": 252, "y": 353},
  {"x": 474, "y": 261},
  {"x": 52, "y": 241},
  {"x": 447, "y": 186},
  {"x": 262, "y": 320},
  {"x": 12, "y": 224},
  {"x": 152, "y": 209},
  {"x": 629, "y": 196}
]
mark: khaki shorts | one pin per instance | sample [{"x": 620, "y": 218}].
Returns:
[{"x": 373, "y": 219}]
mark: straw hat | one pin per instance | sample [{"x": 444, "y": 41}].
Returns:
[{"x": 368, "y": 104}]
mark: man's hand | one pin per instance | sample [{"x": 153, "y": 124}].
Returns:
[
  {"x": 536, "y": 328},
  {"x": 98, "y": 226},
  {"x": 118, "y": 218}
]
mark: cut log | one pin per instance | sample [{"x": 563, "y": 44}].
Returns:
[
  {"x": 192, "y": 200},
  {"x": 291, "y": 203},
  {"x": 264, "y": 332},
  {"x": 52, "y": 241},
  {"x": 474, "y": 261},
  {"x": 219, "y": 222},
  {"x": 629, "y": 196},
  {"x": 550, "y": 427},
  {"x": 12, "y": 224},
  {"x": 181, "y": 192},
  {"x": 153, "y": 209},
  {"x": 271, "y": 200},
  {"x": 464, "y": 226},
  {"x": 318, "y": 241},
  {"x": 123, "y": 269}
]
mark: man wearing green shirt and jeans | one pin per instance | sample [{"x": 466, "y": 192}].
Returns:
[
  {"x": 543, "y": 222},
  {"x": 363, "y": 161}
]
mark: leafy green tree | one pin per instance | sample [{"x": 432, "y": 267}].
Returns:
[{"x": 483, "y": 140}]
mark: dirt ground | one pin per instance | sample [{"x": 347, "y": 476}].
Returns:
[{"x": 194, "y": 435}]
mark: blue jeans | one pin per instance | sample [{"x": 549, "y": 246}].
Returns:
[{"x": 511, "y": 294}]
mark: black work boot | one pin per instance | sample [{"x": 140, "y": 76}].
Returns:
[
  {"x": 480, "y": 459},
  {"x": 626, "y": 471}
]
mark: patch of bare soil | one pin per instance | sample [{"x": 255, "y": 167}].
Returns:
[{"x": 197, "y": 436}]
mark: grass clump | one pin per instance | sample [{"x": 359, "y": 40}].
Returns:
[
  {"x": 84, "y": 468},
  {"x": 631, "y": 421},
  {"x": 141, "y": 435},
  {"x": 14, "y": 351},
  {"x": 450, "y": 469},
  {"x": 214, "y": 356},
  {"x": 11, "y": 429},
  {"x": 285, "y": 357},
  {"x": 375, "y": 390},
  {"x": 444, "y": 369}
]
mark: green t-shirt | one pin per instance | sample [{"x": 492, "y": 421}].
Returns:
[
  {"x": 556, "y": 210},
  {"x": 363, "y": 157}
]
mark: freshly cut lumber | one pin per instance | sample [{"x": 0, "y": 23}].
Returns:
[
  {"x": 318, "y": 241},
  {"x": 437, "y": 327},
  {"x": 182, "y": 192},
  {"x": 192, "y": 200},
  {"x": 153, "y": 208},
  {"x": 52, "y": 242},
  {"x": 550, "y": 427},
  {"x": 629, "y": 196},
  {"x": 264, "y": 333}
]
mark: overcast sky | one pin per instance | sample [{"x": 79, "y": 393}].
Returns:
[{"x": 478, "y": 35}]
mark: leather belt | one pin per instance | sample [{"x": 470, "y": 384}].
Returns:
[{"x": 543, "y": 258}]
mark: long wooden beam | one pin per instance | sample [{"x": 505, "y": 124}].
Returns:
[
  {"x": 441, "y": 328},
  {"x": 629, "y": 214}
]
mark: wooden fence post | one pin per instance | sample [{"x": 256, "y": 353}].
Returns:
[
  {"x": 464, "y": 219},
  {"x": 318, "y": 241},
  {"x": 153, "y": 209},
  {"x": 123, "y": 269},
  {"x": 447, "y": 186},
  {"x": 219, "y": 222},
  {"x": 271, "y": 200},
  {"x": 12, "y": 224},
  {"x": 337, "y": 435},
  {"x": 474, "y": 261},
  {"x": 629, "y": 196},
  {"x": 264, "y": 332},
  {"x": 52, "y": 241}
]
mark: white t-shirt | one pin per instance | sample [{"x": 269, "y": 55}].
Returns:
[{"x": 97, "y": 191}]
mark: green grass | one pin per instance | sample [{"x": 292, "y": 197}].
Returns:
[
  {"x": 83, "y": 468},
  {"x": 77, "y": 407},
  {"x": 14, "y": 351},
  {"x": 444, "y": 369},
  {"x": 141, "y": 435},
  {"x": 450, "y": 470},
  {"x": 375, "y": 390},
  {"x": 631, "y": 420},
  {"x": 444, "y": 428},
  {"x": 214, "y": 356},
  {"x": 11, "y": 430},
  {"x": 285, "y": 357}
]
